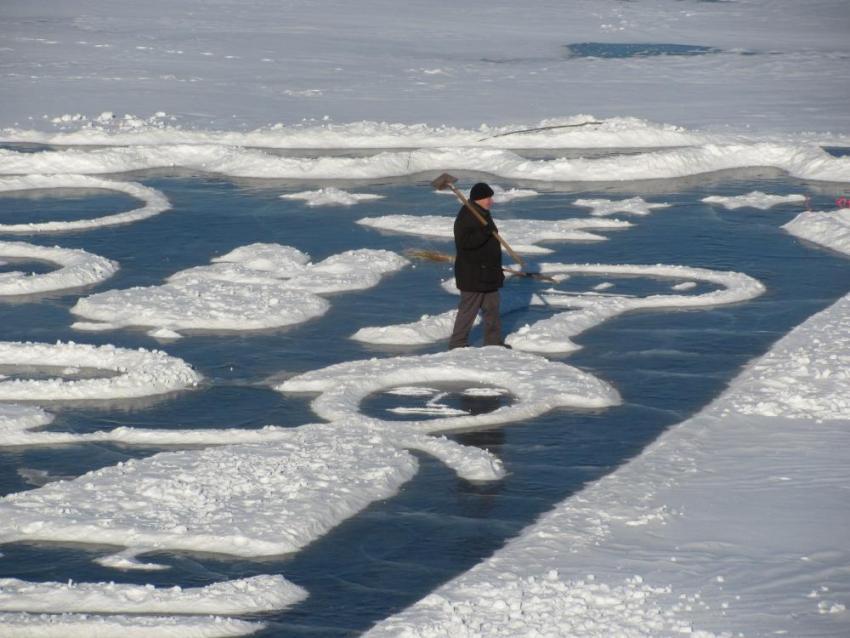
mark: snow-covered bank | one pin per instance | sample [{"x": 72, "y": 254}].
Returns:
[
  {"x": 78, "y": 269},
  {"x": 798, "y": 160},
  {"x": 733, "y": 521},
  {"x": 155, "y": 201},
  {"x": 830, "y": 229}
]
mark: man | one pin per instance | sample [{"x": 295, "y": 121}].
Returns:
[{"x": 478, "y": 270}]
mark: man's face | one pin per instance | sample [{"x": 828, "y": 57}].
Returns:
[{"x": 487, "y": 202}]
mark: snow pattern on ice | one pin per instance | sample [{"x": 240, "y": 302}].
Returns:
[{"x": 78, "y": 269}]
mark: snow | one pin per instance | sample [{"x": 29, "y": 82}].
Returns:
[
  {"x": 244, "y": 596},
  {"x": 254, "y": 287},
  {"x": 554, "y": 334},
  {"x": 632, "y": 206},
  {"x": 524, "y": 235},
  {"x": 729, "y": 522},
  {"x": 536, "y": 384},
  {"x": 78, "y": 269},
  {"x": 331, "y": 197},
  {"x": 830, "y": 229},
  {"x": 803, "y": 161},
  {"x": 258, "y": 499},
  {"x": 135, "y": 373},
  {"x": 155, "y": 201},
  {"x": 755, "y": 199},
  {"x": 23, "y": 625}
]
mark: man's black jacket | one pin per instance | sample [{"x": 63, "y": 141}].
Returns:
[{"x": 478, "y": 262}]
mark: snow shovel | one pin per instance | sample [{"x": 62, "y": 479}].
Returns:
[{"x": 448, "y": 181}]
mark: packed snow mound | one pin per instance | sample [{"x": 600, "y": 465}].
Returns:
[
  {"x": 331, "y": 197},
  {"x": 244, "y": 596},
  {"x": 155, "y": 201},
  {"x": 802, "y": 161},
  {"x": 565, "y": 132},
  {"x": 754, "y": 199},
  {"x": 255, "y": 287},
  {"x": 23, "y": 625},
  {"x": 631, "y": 206},
  {"x": 554, "y": 334},
  {"x": 17, "y": 418},
  {"x": 524, "y": 235},
  {"x": 137, "y": 373},
  {"x": 244, "y": 500},
  {"x": 537, "y": 385},
  {"x": 830, "y": 229},
  {"x": 78, "y": 269}
]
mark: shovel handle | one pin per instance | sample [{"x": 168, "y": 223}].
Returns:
[{"x": 480, "y": 218}]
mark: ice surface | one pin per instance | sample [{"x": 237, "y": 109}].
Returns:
[
  {"x": 155, "y": 201},
  {"x": 244, "y": 596},
  {"x": 331, "y": 197},
  {"x": 253, "y": 287},
  {"x": 524, "y": 235},
  {"x": 78, "y": 268},
  {"x": 137, "y": 373},
  {"x": 755, "y": 199},
  {"x": 537, "y": 385}
]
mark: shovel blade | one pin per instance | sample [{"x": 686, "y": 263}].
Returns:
[{"x": 443, "y": 181}]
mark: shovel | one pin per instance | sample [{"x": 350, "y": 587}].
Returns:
[{"x": 448, "y": 181}]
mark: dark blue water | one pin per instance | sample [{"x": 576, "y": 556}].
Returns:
[
  {"x": 666, "y": 365},
  {"x": 633, "y": 49}
]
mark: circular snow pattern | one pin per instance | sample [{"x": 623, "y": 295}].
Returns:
[
  {"x": 537, "y": 384},
  {"x": 155, "y": 201},
  {"x": 78, "y": 268},
  {"x": 140, "y": 372}
]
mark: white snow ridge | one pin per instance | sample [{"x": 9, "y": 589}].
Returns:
[
  {"x": 331, "y": 197},
  {"x": 155, "y": 201},
  {"x": 134, "y": 373},
  {"x": 78, "y": 268}
]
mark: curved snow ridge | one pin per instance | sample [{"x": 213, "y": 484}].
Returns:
[
  {"x": 24, "y": 625},
  {"x": 255, "y": 287},
  {"x": 754, "y": 199},
  {"x": 537, "y": 384},
  {"x": 830, "y": 229},
  {"x": 630, "y": 206},
  {"x": 140, "y": 373},
  {"x": 523, "y": 235},
  {"x": 553, "y": 335},
  {"x": 802, "y": 161},
  {"x": 243, "y": 596},
  {"x": 78, "y": 269},
  {"x": 574, "y": 131},
  {"x": 155, "y": 201}
]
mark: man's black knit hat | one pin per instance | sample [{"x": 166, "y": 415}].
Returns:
[{"x": 480, "y": 191}]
